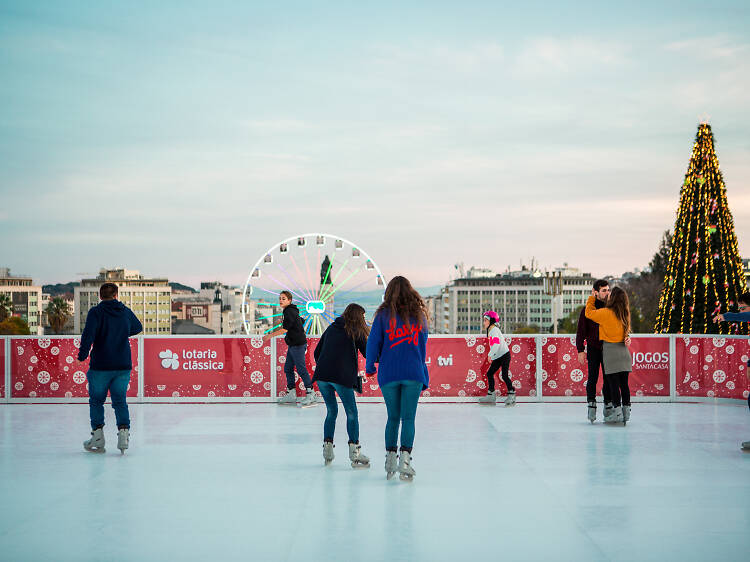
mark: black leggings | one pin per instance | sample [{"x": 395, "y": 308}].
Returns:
[
  {"x": 503, "y": 362},
  {"x": 618, "y": 388}
]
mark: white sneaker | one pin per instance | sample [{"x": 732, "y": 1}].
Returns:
[
  {"x": 123, "y": 439},
  {"x": 328, "y": 455},
  {"x": 96, "y": 443},
  {"x": 490, "y": 398},
  {"x": 405, "y": 469},
  {"x": 289, "y": 398},
  {"x": 391, "y": 464},
  {"x": 308, "y": 400}
]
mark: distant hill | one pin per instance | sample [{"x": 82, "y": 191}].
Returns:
[
  {"x": 181, "y": 287},
  {"x": 60, "y": 289}
]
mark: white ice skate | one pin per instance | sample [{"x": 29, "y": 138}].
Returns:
[
  {"x": 358, "y": 459},
  {"x": 405, "y": 469},
  {"x": 96, "y": 443},
  {"x": 289, "y": 399},
  {"x": 615, "y": 415},
  {"x": 328, "y": 455},
  {"x": 510, "y": 400},
  {"x": 746, "y": 445},
  {"x": 592, "y": 412},
  {"x": 490, "y": 399},
  {"x": 607, "y": 409},
  {"x": 123, "y": 439},
  {"x": 319, "y": 398},
  {"x": 391, "y": 464},
  {"x": 308, "y": 400},
  {"x": 625, "y": 414}
]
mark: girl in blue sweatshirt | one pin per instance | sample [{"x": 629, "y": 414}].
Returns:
[
  {"x": 742, "y": 316},
  {"x": 398, "y": 343}
]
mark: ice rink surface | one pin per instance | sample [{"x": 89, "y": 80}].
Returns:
[{"x": 247, "y": 482}]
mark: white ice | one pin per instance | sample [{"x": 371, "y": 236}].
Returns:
[{"x": 247, "y": 482}]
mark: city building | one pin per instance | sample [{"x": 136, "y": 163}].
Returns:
[
  {"x": 522, "y": 298},
  {"x": 69, "y": 327},
  {"x": 230, "y": 301},
  {"x": 199, "y": 310},
  {"x": 262, "y": 316},
  {"x": 25, "y": 297},
  {"x": 149, "y": 299}
]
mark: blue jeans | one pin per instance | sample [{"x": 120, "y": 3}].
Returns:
[
  {"x": 401, "y": 399},
  {"x": 329, "y": 390},
  {"x": 116, "y": 382},
  {"x": 295, "y": 357}
]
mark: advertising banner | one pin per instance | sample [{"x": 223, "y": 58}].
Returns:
[
  {"x": 2, "y": 368},
  {"x": 456, "y": 365},
  {"x": 712, "y": 366},
  {"x": 564, "y": 375},
  {"x": 206, "y": 367},
  {"x": 49, "y": 368}
]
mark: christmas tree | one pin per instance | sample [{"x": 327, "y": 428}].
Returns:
[{"x": 704, "y": 276}]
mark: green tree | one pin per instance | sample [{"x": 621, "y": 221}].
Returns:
[
  {"x": 525, "y": 329},
  {"x": 58, "y": 314},
  {"x": 569, "y": 324},
  {"x": 704, "y": 270},
  {"x": 6, "y": 307},
  {"x": 14, "y": 326}
]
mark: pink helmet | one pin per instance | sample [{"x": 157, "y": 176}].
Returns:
[{"x": 492, "y": 316}]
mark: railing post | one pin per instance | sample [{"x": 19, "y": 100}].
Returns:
[
  {"x": 672, "y": 367},
  {"x": 6, "y": 369},
  {"x": 141, "y": 369},
  {"x": 538, "y": 341},
  {"x": 273, "y": 369}
]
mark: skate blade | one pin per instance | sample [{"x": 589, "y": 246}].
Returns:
[
  {"x": 328, "y": 463},
  {"x": 95, "y": 450},
  {"x": 389, "y": 475},
  {"x": 406, "y": 477},
  {"x": 358, "y": 465}
]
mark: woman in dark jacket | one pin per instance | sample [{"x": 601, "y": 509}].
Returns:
[{"x": 336, "y": 372}]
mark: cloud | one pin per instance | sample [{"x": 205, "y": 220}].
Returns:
[
  {"x": 719, "y": 46},
  {"x": 564, "y": 55}
]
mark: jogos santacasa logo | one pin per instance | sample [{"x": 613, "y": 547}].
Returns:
[{"x": 192, "y": 360}]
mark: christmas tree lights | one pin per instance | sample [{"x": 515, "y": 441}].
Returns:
[{"x": 704, "y": 276}]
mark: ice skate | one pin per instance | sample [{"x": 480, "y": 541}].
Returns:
[
  {"x": 328, "y": 455},
  {"x": 391, "y": 464},
  {"x": 607, "y": 409},
  {"x": 96, "y": 443},
  {"x": 358, "y": 459},
  {"x": 592, "y": 412},
  {"x": 614, "y": 416},
  {"x": 625, "y": 414},
  {"x": 289, "y": 399},
  {"x": 490, "y": 399},
  {"x": 308, "y": 400},
  {"x": 319, "y": 398},
  {"x": 405, "y": 469},
  {"x": 746, "y": 446},
  {"x": 123, "y": 439},
  {"x": 510, "y": 400}
]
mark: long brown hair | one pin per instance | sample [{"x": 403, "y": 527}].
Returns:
[
  {"x": 354, "y": 322},
  {"x": 402, "y": 300},
  {"x": 620, "y": 304}
]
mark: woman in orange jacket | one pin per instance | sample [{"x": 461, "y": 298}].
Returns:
[{"x": 614, "y": 328}]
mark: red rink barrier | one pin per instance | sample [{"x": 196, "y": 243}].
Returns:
[
  {"x": 49, "y": 368},
  {"x": 206, "y": 367},
  {"x": 563, "y": 375},
  {"x": 2, "y": 369},
  {"x": 715, "y": 367}
]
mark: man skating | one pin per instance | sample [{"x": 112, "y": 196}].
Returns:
[{"x": 108, "y": 327}]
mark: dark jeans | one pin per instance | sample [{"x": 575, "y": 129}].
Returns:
[
  {"x": 618, "y": 388},
  {"x": 504, "y": 363},
  {"x": 329, "y": 391},
  {"x": 295, "y": 357},
  {"x": 114, "y": 382},
  {"x": 594, "y": 359},
  {"x": 401, "y": 399}
]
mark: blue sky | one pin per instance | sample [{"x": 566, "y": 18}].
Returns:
[{"x": 183, "y": 139}]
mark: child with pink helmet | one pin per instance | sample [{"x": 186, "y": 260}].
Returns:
[{"x": 499, "y": 356}]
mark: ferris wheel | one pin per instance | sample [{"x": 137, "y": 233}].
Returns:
[{"x": 324, "y": 273}]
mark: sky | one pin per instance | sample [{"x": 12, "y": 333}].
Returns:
[{"x": 183, "y": 139}]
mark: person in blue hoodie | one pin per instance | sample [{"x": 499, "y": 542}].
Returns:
[
  {"x": 108, "y": 327},
  {"x": 742, "y": 316},
  {"x": 337, "y": 372},
  {"x": 398, "y": 343}
]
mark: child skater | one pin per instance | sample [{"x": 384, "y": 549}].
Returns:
[
  {"x": 499, "y": 356},
  {"x": 614, "y": 328},
  {"x": 336, "y": 372},
  {"x": 742, "y": 316},
  {"x": 398, "y": 343}
]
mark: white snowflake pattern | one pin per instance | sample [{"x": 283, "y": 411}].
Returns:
[
  {"x": 639, "y": 393},
  {"x": 568, "y": 392},
  {"x": 426, "y": 394},
  {"x": 481, "y": 384},
  {"x": 246, "y": 394},
  {"x": 659, "y": 386},
  {"x": 566, "y": 357},
  {"x": 197, "y": 387},
  {"x": 552, "y": 384},
  {"x": 77, "y": 343},
  {"x": 516, "y": 384},
  {"x": 729, "y": 349},
  {"x": 267, "y": 385},
  {"x": 530, "y": 357},
  {"x": 462, "y": 393},
  {"x": 18, "y": 386},
  {"x": 267, "y": 350},
  {"x": 730, "y": 385},
  {"x": 54, "y": 386},
  {"x": 68, "y": 394},
  {"x": 470, "y": 341},
  {"x": 19, "y": 350},
  {"x": 710, "y": 394},
  {"x": 719, "y": 376},
  {"x": 34, "y": 359},
  {"x": 211, "y": 394},
  {"x": 445, "y": 386},
  {"x": 532, "y": 392},
  {"x": 161, "y": 386},
  {"x": 694, "y": 385},
  {"x": 694, "y": 350},
  {"x": 246, "y": 359},
  {"x": 516, "y": 349},
  {"x": 232, "y": 386},
  {"x": 551, "y": 348},
  {"x": 687, "y": 377},
  {"x": 709, "y": 358},
  {"x": 480, "y": 349},
  {"x": 55, "y": 351},
  {"x": 256, "y": 342},
  {"x": 471, "y": 376},
  {"x": 44, "y": 343},
  {"x": 175, "y": 394},
  {"x": 69, "y": 360},
  {"x": 256, "y": 377},
  {"x": 282, "y": 359},
  {"x": 373, "y": 387},
  {"x": 719, "y": 342},
  {"x": 43, "y": 377},
  {"x": 576, "y": 375},
  {"x": 32, "y": 394},
  {"x": 79, "y": 377}
]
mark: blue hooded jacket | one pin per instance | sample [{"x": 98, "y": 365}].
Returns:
[{"x": 108, "y": 326}]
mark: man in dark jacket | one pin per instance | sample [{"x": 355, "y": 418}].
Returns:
[
  {"x": 296, "y": 340},
  {"x": 588, "y": 332},
  {"x": 108, "y": 327}
]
